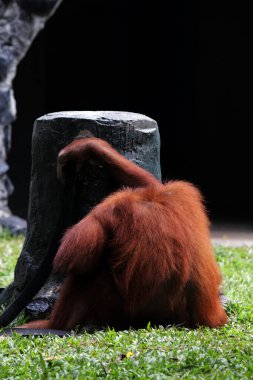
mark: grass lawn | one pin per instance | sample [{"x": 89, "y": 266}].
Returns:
[{"x": 153, "y": 353}]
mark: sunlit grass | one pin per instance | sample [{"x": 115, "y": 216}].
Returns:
[
  {"x": 10, "y": 248},
  {"x": 152, "y": 353}
]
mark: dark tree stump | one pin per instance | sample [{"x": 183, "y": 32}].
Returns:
[{"x": 133, "y": 135}]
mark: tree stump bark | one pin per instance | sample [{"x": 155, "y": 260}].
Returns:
[{"x": 133, "y": 135}]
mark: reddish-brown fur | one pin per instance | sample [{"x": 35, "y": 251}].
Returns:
[{"x": 143, "y": 254}]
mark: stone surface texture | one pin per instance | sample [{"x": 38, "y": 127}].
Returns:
[{"x": 20, "y": 22}]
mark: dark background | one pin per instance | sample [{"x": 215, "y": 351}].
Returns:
[{"x": 187, "y": 65}]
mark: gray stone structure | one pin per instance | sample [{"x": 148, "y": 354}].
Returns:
[
  {"x": 20, "y": 22},
  {"x": 134, "y": 135}
]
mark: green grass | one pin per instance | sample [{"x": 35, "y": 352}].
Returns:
[
  {"x": 10, "y": 248},
  {"x": 152, "y": 353}
]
